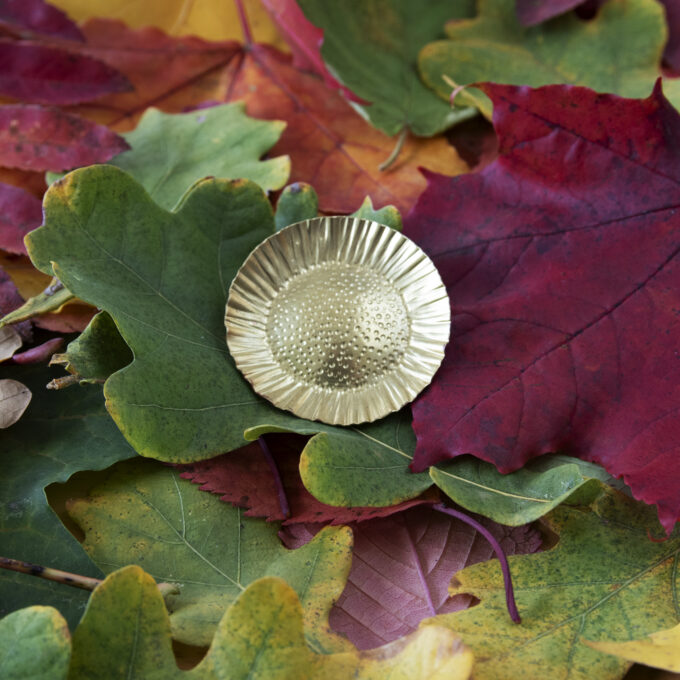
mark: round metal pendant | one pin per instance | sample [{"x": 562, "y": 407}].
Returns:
[{"x": 338, "y": 319}]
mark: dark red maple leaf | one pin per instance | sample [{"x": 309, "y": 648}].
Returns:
[
  {"x": 46, "y": 138},
  {"x": 561, "y": 261},
  {"x": 36, "y": 16},
  {"x": 244, "y": 478},
  {"x": 402, "y": 566},
  {"x": 20, "y": 212},
  {"x": 40, "y": 74}
]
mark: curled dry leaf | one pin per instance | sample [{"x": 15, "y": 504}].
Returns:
[
  {"x": 10, "y": 341},
  {"x": 14, "y": 398}
]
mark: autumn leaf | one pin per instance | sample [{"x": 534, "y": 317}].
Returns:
[
  {"x": 596, "y": 584},
  {"x": 34, "y": 643},
  {"x": 39, "y": 17},
  {"x": 522, "y": 496},
  {"x": 671, "y": 54},
  {"x": 96, "y": 353},
  {"x": 561, "y": 260},
  {"x": 661, "y": 650},
  {"x": 618, "y": 51},
  {"x": 208, "y": 19},
  {"x": 39, "y": 138},
  {"x": 125, "y": 633},
  {"x": 395, "y": 97},
  {"x": 20, "y": 212},
  {"x": 532, "y": 12},
  {"x": 38, "y": 74},
  {"x": 401, "y": 569},
  {"x": 329, "y": 145},
  {"x": 14, "y": 399},
  {"x": 59, "y": 434},
  {"x": 145, "y": 514},
  {"x": 244, "y": 478},
  {"x": 220, "y": 141}
]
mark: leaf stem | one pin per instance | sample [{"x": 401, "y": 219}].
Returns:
[
  {"x": 280, "y": 490},
  {"x": 243, "y": 19},
  {"x": 396, "y": 151},
  {"x": 505, "y": 567}
]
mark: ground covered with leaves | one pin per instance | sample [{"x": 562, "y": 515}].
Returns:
[{"x": 158, "y": 519}]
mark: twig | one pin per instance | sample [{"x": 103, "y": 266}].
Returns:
[
  {"x": 505, "y": 567},
  {"x": 283, "y": 499},
  {"x": 66, "y": 578},
  {"x": 75, "y": 580},
  {"x": 395, "y": 152}
]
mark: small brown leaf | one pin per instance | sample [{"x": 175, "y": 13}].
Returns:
[{"x": 14, "y": 398}]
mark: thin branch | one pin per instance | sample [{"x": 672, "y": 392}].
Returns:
[
  {"x": 68, "y": 579},
  {"x": 396, "y": 151},
  {"x": 505, "y": 567},
  {"x": 281, "y": 492}
]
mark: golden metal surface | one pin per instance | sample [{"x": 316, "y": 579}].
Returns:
[{"x": 338, "y": 319}]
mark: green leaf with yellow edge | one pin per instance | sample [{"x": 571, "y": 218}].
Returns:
[
  {"x": 96, "y": 353},
  {"x": 60, "y": 433},
  {"x": 660, "y": 650},
  {"x": 596, "y": 584},
  {"x": 297, "y": 202},
  {"x": 164, "y": 277},
  {"x": 125, "y": 633},
  {"x": 145, "y": 514},
  {"x": 172, "y": 151},
  {"x": 372, "y": 46},
  {"x": 387, "y": 215},
  {"x": 34, "y": 645},
  {"x": 519, "y": 497},
  {"x": 618, "y": 51},
  {"x": 52, "y": 299}
]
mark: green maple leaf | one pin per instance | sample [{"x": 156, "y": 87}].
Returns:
[
  {"x": 163, "y": 277},
  {"x": 371, "y": 46},
  {"x": 145, "y": 514},
  {"x": 618, "y": 51},
  {"x": 125, "y": 634},
  {"x": 596, "y": 584},
  {"x": 60, "y": 434},
  {"x": 34, "y": 643}
]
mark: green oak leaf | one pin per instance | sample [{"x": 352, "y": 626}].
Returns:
[
  {"x": 298, "y": 202},
  {"x": 52, "y": 299},
  {"x": 598, "y": 583},
  {"x": 34, "y": 645},
  {"x": 171, "y": 151},
  {"x": 59, "y": 434},
  {"x": 163, "y": 277},
  {"x": 145, "y": 514},
  {"x": 618, "y": 51},
  {"x": 96, "y": 353},
  {"x": 371, "y": 46},
  {"x": 519, "y": 497},
  {"x": 125, "y": 634},
  {"x": 387, "y": 215}
]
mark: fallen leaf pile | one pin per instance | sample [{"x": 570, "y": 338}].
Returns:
[{"x": 531, "y": 149}]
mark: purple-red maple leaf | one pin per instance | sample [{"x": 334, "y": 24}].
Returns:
[
  {"x": 561, "y": 262},
  {"x": 402, "y": 566},
  {"x": 244, "y": 478},
  {"x": 20, "y": 212},
  {"x": 47, "y": 75},
  {"x": 38, "y": 138},
  {"x": 37, "y": 16}
]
